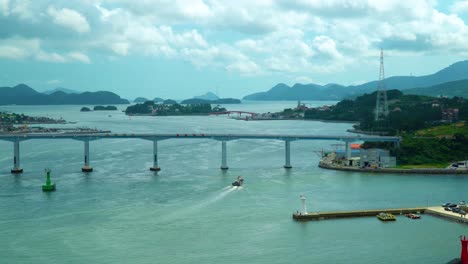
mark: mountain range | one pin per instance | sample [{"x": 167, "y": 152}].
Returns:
[
  {"x": 22, "y": 94},
  {"x": 455, "y": 72},
  {"x": 208, "y": 96},
  {"x": 449, "y": 89},
  {"x": 61, "y": 89}
]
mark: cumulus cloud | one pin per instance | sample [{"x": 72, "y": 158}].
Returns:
[
  {"x": 459, "y": 7},
  {"x": 69, "y": 18},
  {"x": 78, "y": 56},
  {"x": 18, "y": 47},
  {"x": 293, "y": 38}
]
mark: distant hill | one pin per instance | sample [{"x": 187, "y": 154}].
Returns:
[
  {"x": 158, "y": 100},
  {"x": 456, "y": 71},
  {"x": 141, "y": 100},
  {"x": 207, "y": 96},
  {"x": 61, "y": 89},
  {"x": 22, "y": 94},
  {"x": 218, "y": 101},
  {"x": 449, "y": 89}
]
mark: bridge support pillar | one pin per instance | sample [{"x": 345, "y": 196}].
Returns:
[
  {"x": 348, "y": 150},
  {"x": 287, "y": 164},
  {"x": 86, "y": 167},
  {"x": 224, "y": 156},
  {"x": 155, "y": 157},
  {"x": 16, "y": 158}
]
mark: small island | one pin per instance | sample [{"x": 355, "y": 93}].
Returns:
[
  {"x": 99, "y": 108},
  {"x": 170, "y": 108},
  {"x": 105, "y": 108}
]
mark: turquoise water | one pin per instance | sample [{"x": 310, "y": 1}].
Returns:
[{"x": 123, "y": 213}]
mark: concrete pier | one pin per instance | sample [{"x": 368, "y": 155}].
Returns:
[
  {"x": 440, "y": 212},
  {"x": 86, "y": 167},
  {"x": 356, "y": 213},
  {"x": 16, "y": 158},
  {"x": 155, "y": 157},
  {"x": 287, "y": 146},
  {"x": 224, "y": 156},
  {"x": 433, "y": 210}
]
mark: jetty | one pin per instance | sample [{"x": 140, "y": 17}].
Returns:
[
  {"x": 355, "y": 213},
  {"x": 437, "y": 211}
]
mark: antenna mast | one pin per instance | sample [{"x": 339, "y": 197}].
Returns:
[{"x": 381, "y": 105}]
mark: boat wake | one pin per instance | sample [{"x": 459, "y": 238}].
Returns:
[{"x": 205, "y": 203}]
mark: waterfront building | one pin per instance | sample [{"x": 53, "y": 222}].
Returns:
[{"x": 376, "y": 158}]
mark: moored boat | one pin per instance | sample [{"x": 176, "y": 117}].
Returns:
[
  {"x": 413, "y": 216},
  {"x": 386, "y": 217}
]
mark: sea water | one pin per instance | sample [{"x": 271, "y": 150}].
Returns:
[{"x": 188, "y": 212}]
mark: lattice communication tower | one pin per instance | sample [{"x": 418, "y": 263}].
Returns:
[{"x": 381, "y": 105}]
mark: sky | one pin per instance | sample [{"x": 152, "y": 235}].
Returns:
[{"x": 181, "y": 48}]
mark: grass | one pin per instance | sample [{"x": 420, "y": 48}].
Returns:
[
  {"x": 424, "y": 166},
  {"x": 444, "y": 130}
]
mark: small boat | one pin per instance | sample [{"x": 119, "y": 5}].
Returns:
[
  {"x": 386, "y": 217},
  {"x": 238, "y": 182},
  {"x": 413, "y": 216}
]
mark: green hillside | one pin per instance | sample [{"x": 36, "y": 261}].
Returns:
[{"x": 449, "y": 89}]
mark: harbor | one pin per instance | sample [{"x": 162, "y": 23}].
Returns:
[{"x": 118, "y": 210}]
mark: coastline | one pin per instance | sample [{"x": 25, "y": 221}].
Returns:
[
  {"x": 394, "y": 170},
  {"x": 298, "y": 119}
]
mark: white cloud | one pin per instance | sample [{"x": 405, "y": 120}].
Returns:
[
  {"x": 326, "y": 47},
  {"x": 303, "y": 79},
  {"x": 50, "y": 57},
  {"x": 78, "y": 56},
  {"x": 293, "y": 38},
  {"x": 459, "y": 7},
  {"x": 5, "y": 7},
  {"x": 53, "y": 81},
  {"x": 22, "y": 9},
  {"x": 18, "y": 48},
  {"x": 246, "y": 67},
  {"x": 69, "y": 18}
]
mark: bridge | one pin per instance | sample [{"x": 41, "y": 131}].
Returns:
[
  {"x": 224, "y": 138},
  {"x": 233, "y": 112}
]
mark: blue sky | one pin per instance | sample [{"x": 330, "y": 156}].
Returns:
[{"x": 181, "y": 48}]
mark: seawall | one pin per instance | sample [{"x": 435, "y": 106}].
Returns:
[{"x": 394, "y": 170}]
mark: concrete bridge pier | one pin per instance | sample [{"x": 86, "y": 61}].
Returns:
[
  {"x": 287, "y": 164},
  {"x": 155, "y": 157},
  {"x": 287, "y": 156},
  {"x": 16, "y": 158},
  {"x": 224, "y": 156},
  {"x": 86, "y": 167}
]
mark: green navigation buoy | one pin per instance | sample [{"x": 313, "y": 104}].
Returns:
[{"x": 48, "y": 186}]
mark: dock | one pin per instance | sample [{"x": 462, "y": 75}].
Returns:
[
  {"x": 356, "y": 213},
  {"x": 437, "y": 211}
]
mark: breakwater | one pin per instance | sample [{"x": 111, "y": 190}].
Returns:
[{"x": 393, "y": 170}]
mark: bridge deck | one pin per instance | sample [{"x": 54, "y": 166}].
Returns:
[{"x": 149, "y": 136}]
